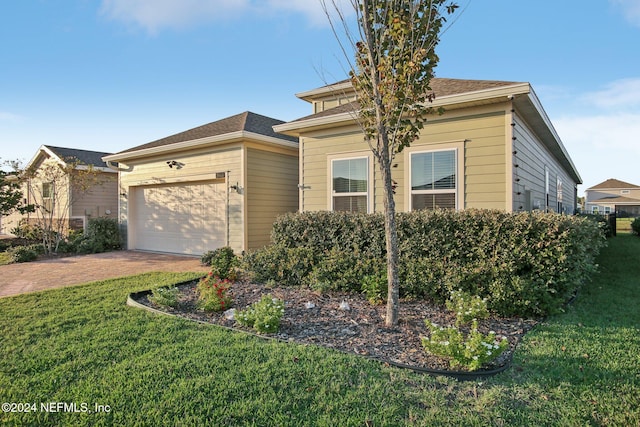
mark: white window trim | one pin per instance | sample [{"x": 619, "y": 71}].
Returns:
[
  {"x": 370, "y": 178},
  {"x": 458, "y": 152}
]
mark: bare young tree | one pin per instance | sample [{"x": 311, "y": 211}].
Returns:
[
  {"x": 54, "y": 188},
  {"x": 394, "y": 63}
]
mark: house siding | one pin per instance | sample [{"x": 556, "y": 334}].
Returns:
[
  {"x": 271, "y": 190},
  {"x": 98, "y": 200},
  {"x": 478, "y": 133},
  {"x": 529, "y": 177}
]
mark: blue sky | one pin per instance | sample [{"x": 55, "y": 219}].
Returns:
[{"x": 107, "y": 75}]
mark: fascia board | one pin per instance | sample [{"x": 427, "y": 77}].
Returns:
[
  {"x": 325, "y": 90},
  {"x": 482, "y": 95},
  {"x": 468, "y": 97},
  {"x": 44, "y": 149},
  {"x": 290, "y": 128},
  {"x": 195, "y": 143},
  {"x": 95, "y": 168}
]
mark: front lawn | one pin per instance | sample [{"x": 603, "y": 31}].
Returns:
[{"x": 83, "y": 345}]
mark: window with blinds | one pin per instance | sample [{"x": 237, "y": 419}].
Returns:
[
  {"x": 433, "y": 180},
  {"x": 349, "y": 178}
]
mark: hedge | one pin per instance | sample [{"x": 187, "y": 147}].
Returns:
[{"x": 525, "y": 264}]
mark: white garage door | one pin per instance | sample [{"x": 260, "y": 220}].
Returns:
[{"x": 183, "y": 219}]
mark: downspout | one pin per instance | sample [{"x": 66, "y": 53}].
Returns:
[{"x": 228, "y": 237}]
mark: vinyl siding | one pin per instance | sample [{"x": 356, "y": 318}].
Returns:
[
  {"x": 478, "y": 133},
  {"x": 271, "y": 190},
  {"x": 99, "y": 199},
  {"x": 595, "y": 195},
  {"x": 529, "y": 177}
]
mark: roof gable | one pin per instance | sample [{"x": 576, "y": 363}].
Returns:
[
  {"x": 84, "y": 157},
  {"x": 612, "y": 183},
  {"x": 69, "y": 155},
  {"x": 243, "y": 122}
]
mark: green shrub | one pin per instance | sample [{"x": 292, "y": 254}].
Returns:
[
  {"x": 375, "y": 288},
  {"x": 24, "y": 253},
  {"x": 635, "y": 226},
  {"x": 213, "y": 293},
  {"x": 276, "y": 264},
  {"x": 339, "y": 270},
  {"x": 526, "y": 264},
  {"x": 467, "y": 307},
  {"x": 326, "y": 231},
  {"x": 103, "y": 234},
  {"x": 30, "y": 232},
  {"x": 71, "y": 243},
  {"x": 602, "y": 221},
  {"x": 164, "y": 296},
  {"x": 264, "y": 315},
  {"x": 223, "y": 263},
  {"x": 471, "y": 351}
]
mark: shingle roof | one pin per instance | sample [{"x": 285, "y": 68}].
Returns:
[
  {"x": 84, "y": 157},
  {"x": 612, "y": 183},
  {"x": 439, "y": 86},
  {"x": 615, "y": 199},
  {"x": 247, "y": 121}
]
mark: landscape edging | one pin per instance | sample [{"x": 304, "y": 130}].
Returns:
[{"x": 459, "y": 375}]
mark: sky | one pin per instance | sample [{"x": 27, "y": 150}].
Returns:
[{"x": 108, "y": 75}]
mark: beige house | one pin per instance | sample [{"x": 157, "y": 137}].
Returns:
[
  {"x": 613, "y": 195},
  {"x": 51, "y": 188},
  {"x": 493, "y": 148},
  {"x": 220, "y": 184}
]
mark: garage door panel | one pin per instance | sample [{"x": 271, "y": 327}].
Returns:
[{"x": 185, "y": 218}]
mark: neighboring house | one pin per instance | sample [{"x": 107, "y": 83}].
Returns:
[
  {"x": 220, "y": 184},
  {"x": 494, "y": 147},
  {"x": 76, "y": 205},
  {"x": 613, "y": 195}
]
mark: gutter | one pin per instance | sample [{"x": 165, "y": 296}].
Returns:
[{"x": 501, "y": 93}]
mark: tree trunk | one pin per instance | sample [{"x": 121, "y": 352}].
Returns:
[{"x": 391, "y": 239}]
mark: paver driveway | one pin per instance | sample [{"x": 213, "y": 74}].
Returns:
[{"x": 54, "y": 273}]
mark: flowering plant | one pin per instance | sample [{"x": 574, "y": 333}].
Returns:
[
  {"x": 263, "y": 315},
  {"x": 471, "y": 352},
  {"x": 213, "y": 293},
  {"x": 467, "y": 307}
]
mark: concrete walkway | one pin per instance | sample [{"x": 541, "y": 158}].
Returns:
[{"x": 55, "y": 273}]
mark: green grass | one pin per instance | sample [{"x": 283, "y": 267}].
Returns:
[
  {"x": 5, "y": 258},
  {"x": 623, "y": 225},
  {"x": 83, "y": 344}
]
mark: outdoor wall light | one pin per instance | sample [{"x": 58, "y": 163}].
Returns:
[
  {"x": 236, "y": 187},
  {"x": 172, "y": 163}
]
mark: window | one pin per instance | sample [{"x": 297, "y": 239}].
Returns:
[
  {"x": 559, "y": 195},
  {"x": 433, "y": 180},
  {"x": 47, "y": 190},
  {"x": 350, "y": 184},
  {"x": 546, "y": 189}
]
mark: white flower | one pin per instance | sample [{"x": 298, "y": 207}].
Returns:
[
  {"x": 475, "y": 357},
  {"x": 488, "y": 353}
]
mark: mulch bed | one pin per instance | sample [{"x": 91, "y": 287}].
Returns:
[{"x": 359, "y": 330}]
